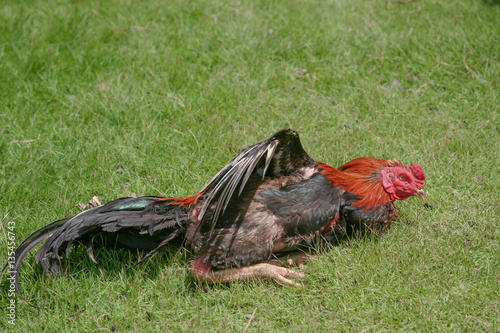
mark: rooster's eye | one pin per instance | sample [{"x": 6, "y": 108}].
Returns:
[{"x": 403, "y": 178}]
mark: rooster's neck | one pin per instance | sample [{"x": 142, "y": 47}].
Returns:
[{"x": 366, "y": 186}]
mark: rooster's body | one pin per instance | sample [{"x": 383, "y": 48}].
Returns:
[{"x": 271, "y": 198}]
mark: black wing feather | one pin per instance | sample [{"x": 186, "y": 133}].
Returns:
[
  {"x": 305, "y": 207},
  {"x": 284, "y": 156}
]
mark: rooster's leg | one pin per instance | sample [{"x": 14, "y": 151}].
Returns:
[{"x": 258, "y": 271}]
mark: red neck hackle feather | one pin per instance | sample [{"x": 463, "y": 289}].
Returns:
[{"x": 362, "y": 177}]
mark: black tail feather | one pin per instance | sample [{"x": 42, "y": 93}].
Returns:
[
  {"x": 162, "y": 244},
  {"x": 26, "y": 246},
  {"x": 135, "y": 223}
]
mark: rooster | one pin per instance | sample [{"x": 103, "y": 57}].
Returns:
[{"x": 272, "y": 198}]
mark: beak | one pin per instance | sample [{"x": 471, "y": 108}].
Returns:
[{"x": 420, "y": 194}]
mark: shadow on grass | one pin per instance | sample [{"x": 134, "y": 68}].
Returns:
[{"x": 492, "y": 2}]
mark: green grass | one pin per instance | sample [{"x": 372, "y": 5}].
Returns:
[{"x": 111, "y": 98}]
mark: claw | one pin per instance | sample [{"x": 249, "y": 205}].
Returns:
[{"x": 279, "y": 274}]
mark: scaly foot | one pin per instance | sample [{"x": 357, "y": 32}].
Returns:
[{"x": 261, "y": 271}]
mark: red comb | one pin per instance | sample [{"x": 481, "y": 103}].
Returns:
[{"x": 418, "y": 173}]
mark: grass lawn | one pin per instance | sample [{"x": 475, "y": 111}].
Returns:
[{"x": 110, "y": 98}]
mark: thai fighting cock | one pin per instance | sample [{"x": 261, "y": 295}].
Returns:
[{"x": 272, "y": 198}]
